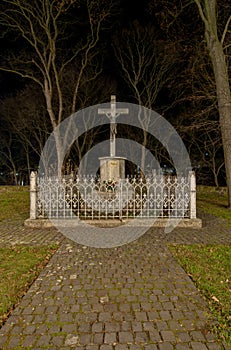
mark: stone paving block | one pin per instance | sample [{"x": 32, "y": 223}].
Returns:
[
  {"x": 106, "y": 347},
  {"x": 39, "y": 319},
  {"x": 39, "y": 310},
  {"x": 149, "y": 326},
  {"x": 126, "y": 326},
  {"x": 14, "y": 342},
  {"x": 71, "y": 340},
  {"x": 146, "y": 306},
  {"x": 131, "y": 298},
  {"x": 182, "y": 346},
  {"x": 137, "y": 326},
  {"x": 128, "y": 316},
  {"x": 3, "y": 340},
  {"x": 183, "y": 336},
  {"x": 84, "y": 327},
  {"x": 150, "y": 347},
  {"x": 188, "y": 324},
  {"x": 91, "y": 317},
  {"x": 168, "y": 336},
  {"x": 17, "y": 330},
  {"x": 27, "y": 310},
  {"x": 66, "y": 317},
  {"x": 29, "y": 329},
  {"x": 126, "y": 337},
  {"x": 213, "y": 346},
  {"x": 154, "y": 336},
  {"x": 141, "y": 337},
  {"x": 97, "y": 307},
  {"x": 104, "y": 316},
  {"x": 198, "y": 346},
  {"x": 30, "y": 340},
  {"x": 136, "y": 306},
  {"x": 110, "y": 338},
  {"x": 97, "y": 327},
  {"x": 86, "y": 308},
  {"x": 85, "y": 338},
  {"x": 57, "y": 340},
  {"x": 98, "y": 338},
  {"x": 157, "y": 306},
  {"x": 176, "y": 325},
  {"x": 141, "y": 316},
  {"x": 66, "y": 328},
  {"x": 118, "y": 316},
  {"x": 197, "y": 335},
  {"x": 41, "y": 329},
  {"x": 165, "y": 346},
  {"x": 112, "y": 326},
  {"x": 91, "y": 347},
  {"x": 165, "y": 315},
  {"x": 153, "y": 315},
  {"x": 43, "y": 340},
  {"x": 161, "y": 325},
  {"x": 27, "y": 319},
  {"x": 113, "y": 307},
  {"x": 124, "y": 307},
  {"x": 74, "y": 308},
  {"x": 122, "y": 347}
]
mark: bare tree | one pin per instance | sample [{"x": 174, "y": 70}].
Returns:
[
  {"x": 217, "y": 48},
  {"x": 43, "y": 29},
  {"x": 24, "y": 114},
  {"x": 10, "y": 157},
  {"x": 146, "y": 64}
]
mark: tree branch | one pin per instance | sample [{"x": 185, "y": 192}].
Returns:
[{"x": 225, "y": 30}]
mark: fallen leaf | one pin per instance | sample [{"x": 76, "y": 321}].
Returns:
[{"x": 215, "y": 299}]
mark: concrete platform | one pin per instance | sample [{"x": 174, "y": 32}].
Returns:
[{"x": 46, "y": 223}]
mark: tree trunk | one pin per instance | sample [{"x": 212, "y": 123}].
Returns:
[
  {"x": 224, "y": 101},
  {"x": 208, "y": 13}
]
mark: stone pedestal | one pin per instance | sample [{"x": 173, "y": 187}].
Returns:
[{"x": 112, "y": 168}]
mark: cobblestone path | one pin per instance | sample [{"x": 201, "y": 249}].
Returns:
[{"x": 131, "y": 297}]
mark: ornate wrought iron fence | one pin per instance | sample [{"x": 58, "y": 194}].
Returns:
[{"x": 87, "y": 198}]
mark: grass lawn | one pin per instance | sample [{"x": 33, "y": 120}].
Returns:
[
  {"x": 19, "y": 265},
  {"x": 14, "y": 202},
  {"x": 210, "y": 200},
  {"x": 209, "y": 266}
]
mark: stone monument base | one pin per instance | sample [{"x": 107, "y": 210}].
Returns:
[{"x": 112, "y": 168}]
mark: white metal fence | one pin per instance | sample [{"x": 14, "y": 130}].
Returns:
[{"x": 86, "y": 198}]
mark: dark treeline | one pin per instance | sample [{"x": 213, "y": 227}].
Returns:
[{"x": 62, "y": 56}]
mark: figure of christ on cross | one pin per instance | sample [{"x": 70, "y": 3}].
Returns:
[{"x": 112, "y": 113}]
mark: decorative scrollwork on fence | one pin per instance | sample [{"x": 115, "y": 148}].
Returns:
[{"x": 88, "y": 198}]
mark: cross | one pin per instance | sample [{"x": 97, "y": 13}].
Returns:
[{"x": 112, "y": 113}]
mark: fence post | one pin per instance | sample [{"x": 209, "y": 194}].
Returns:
[
  {"x": 192, "y": 179},
  {"x": 33, "y": 195}
]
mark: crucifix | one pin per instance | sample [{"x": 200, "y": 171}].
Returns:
[{"x": 112, "y": 113}]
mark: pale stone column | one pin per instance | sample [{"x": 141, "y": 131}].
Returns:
[
  {"x": 192, "y": 179},
  {"x": 33, "y": 195}
]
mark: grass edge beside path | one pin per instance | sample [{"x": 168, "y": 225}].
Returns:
[
  {"x": 214, "y": 201},
  {"x": 209, "y": 268},
  {"x": 20, "y": 265},
  {"x": 204, "y": 264}
]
